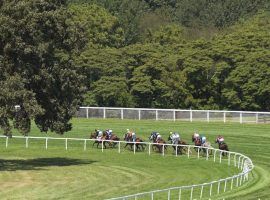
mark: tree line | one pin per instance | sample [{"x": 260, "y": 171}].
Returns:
[{"x": 56, "y": 55}]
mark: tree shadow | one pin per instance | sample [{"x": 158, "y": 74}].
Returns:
[{"x": 40, "y": 163}]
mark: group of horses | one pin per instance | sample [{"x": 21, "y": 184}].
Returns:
[{"x": 159, "y": 145}]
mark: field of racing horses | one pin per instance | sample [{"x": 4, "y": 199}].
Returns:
[{"x": 56, "y": 173}]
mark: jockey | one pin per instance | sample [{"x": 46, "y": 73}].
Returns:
[
  {"x": 133, "y": 135},
  {"x": 203, "y": 139},
  {"x": 196, "y": 135},
  {"x": 99, "y": 134},
  {"x": 158, "y": 138},
  {"x": 175, "y": 138},
  {"x": 220, "y": 139},
  {"x": 109, "y": 133}
]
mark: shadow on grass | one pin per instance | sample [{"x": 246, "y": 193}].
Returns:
[{"x": 39, "y": 163}]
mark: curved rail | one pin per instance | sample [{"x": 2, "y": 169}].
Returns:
[{"x": 235, "y": 159}]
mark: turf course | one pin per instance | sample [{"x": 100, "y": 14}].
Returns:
[{"x": 36, "y": 173}]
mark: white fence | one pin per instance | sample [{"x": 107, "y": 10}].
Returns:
[
  {"x": 242, "y": 162},
  {"x": 174, "y": 114}
]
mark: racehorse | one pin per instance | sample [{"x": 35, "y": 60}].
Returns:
[
  {"x": 197, "y": 142},
  {"x": 113, "y": 138},
  {"x": 222, "y": 146},
  {"x": 128, "y": 138},
  {"x": 98, "y": 141},
  {"x": 180, "y": 148},
  {"x": 159, "y": 143}
]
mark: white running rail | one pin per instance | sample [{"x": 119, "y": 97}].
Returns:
[
  {"x": 174, "y": 114},
  {"x": 238, "y": 160}
]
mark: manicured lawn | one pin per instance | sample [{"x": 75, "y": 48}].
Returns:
[{"x": 56, "y": 173}]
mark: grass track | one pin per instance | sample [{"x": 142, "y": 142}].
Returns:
[{"x": 35, "y": 173}]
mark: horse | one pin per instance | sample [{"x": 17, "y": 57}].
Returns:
[
  {"x": 222, "y": 146},
  {"x": 208, "y": 146},
  {"x": 159, "y": 143},
  {"x": 113, "y": 138},
  {"x": 128, "y": 138},
  {"x": 180, "y": 148},
  {"x": 98, "y": 141},
  {"x": 198, "y": 143}
]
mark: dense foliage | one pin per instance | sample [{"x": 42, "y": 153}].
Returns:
[
  {"x": 142, "y": 53},
  {"x": 37, "y": 70}
]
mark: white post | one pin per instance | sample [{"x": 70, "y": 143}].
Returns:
[
  {"x": 229, "y": 159},
  {"x": 26, "y": 142},
  {"x": 84, "y": 148},
  {"x": 176, "y": 149},
  {"x": 87, "y": 113},
  {"x": 201, "y": 192},
  {"x": 191, "y": 193},
  {"x": 190, "y": 115},
  {"x": 237, "y": 181},
  {"x": 188, "y": 150},
  {"x": 149, "y": 149},
  {"x": 134, "y": 147},
  {"x": 220, "y": 156},
  {"x": 224, "y": 117},
  {"x": 232, "y": 184},
  {"x": 207, "y": 154},
  {"x": 102, "y": 145},
  {"x": 104, "y": 113},
  {"x": 173, "y": 115},
  {"x": 119, "y": 147},
  {"x": 225, "y": 185},
  {"x": 169, "y": 194},
  {"x": 241, "y": 118},
  {"x": 208, "y": 116},
  {"x": 218, "y": 187},
  {"x": 215, "y": 155},
  {"x": 163, "y": 149},
  {"x": 66, "y": 143},
  {"x": 46, "y": 143},
  {"x": 179, "y": 194},
  {"x": 257, "y": 118},
  {"x": 241, "y": 177},
  {"x": 242, "y": 164},
  {"x": 239, "y": 160},
  {"x": 122, "y": 114},
  {"x": 198, "y": 149},
  {"x": 210, "y": 191},
  {"x": 156, "y": 114},
  {"x": 139, "y": 114},
  {"x": 152, "y": 196},
  {"x": 6, "y": 142}
]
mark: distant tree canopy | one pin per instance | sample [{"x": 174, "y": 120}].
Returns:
[{"x": 37, "y": 45}]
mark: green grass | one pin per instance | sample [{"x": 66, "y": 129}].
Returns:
[{"x": 36, "y": 173}]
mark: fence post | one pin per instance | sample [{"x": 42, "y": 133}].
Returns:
[
  {"x": 87, "y": 113},
  {"x": 237, "y": 181},
  {"x": 122, "y": 113},
  {"x": 235, "y": 159},
  {"x": 102, "y": 145},
  {"x": 220, "y": 156},
  {"x": 190, "y": 115},
  {"x": 210, "y": 191},
  {"x": 201, "y": 192},
  {"x": 215, "y": 155},
  {"x": 218, "y": 187},
  {"x": 6, "y": 142},
  {"x": 229, "y": 159},
  {"x": 156, "y": 115},
  {"x": 66, "y": 144},
  {"x": 152, "y": 196},
  {"x": 104, "y": 113},
  {"x": 26, "y": 142},
  {"x": 225, "y": 185},
  {"x": 84, "y": 148},
  {"x": 139, "y": 113},
  {"x": 241, "y": 117},
  {"x": 257, "y": 118},
  {"x": 169, "y": 194},
  {"x": 232, "y": 183},
  {"x": 134, "y": 147},
  {"x": 239, "y": 159},
  {"x": 46, "y": 143},
  {"x": 207, "y": 154},
  {"x": 149, "y": 149},
  {"x": 199, "y": 149},
  {"x": 208, "y": 116},
  {"x": 179, "y": 194},
  {"x": 188, "y": 150},
  {"x": 176, "y": 150},
  {"x": 119, "y": 146},
  {"x": 163, "y": 149},
  {"x": 191, "y": 193},
  {"x": 174, "y": 115}
]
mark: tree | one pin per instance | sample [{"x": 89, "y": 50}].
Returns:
[{"x": 37, "y": 45}]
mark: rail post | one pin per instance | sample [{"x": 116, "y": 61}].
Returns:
[
  {"x": 210, "y": 191},
  {"x": 229, "y": 158},
  {"x": 169, "y": 194},
  {"x": 239, "y": 161},
  {"x": 174, "y": 115},
  {"x": 119, "y": 146},
  {"x": 208, "y": 117},
  {"x": 84, "y": 147},
  {"x": 199, "y": 149},
  {"x": 207, "y": 153},
  {"x": 46, "y": 143},
  {"x": 179, "y": 194},
  {"x": 149, "y": 149},
  {"x": 201, "y": 192},
  {"x": 122, "y": 114},
  {"x": 102, "y": 146},
  {"x": 190, "y": 115},
  {"x": 188, "y": 150},
  {"x": 235, "y": 159},
  {"x": 218, "y": 187},
  {"x": 6, "y": 142},
  {"x": 220, "y": 156},
  {"x": 134, "y": 147},
  {"x": 104, "y": 113},
  {"x": 152, "y": 196},
  {"x": 176, "y": 149},
  {"x": 225, "y": 185},
  {"x": 191, "y": 193},
  {"x": 241, "y": 117},
  {"x": 26, "y": 142},
  {"x": 232, "y": 183},
  {"x": 215, "y": 155},
  {"x": 163, "y": 149},
  {"x": 66, "y": 144}
]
